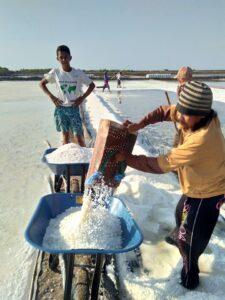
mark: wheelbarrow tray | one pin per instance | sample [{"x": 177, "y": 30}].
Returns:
[
  {"x": 75, "y": 169},
  {"x": 52, "y": 205}
]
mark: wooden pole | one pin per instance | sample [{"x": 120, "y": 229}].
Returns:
[{"x": 169, "y": 102}]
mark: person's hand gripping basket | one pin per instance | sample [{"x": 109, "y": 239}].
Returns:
[{"x": 111, "y": 139}]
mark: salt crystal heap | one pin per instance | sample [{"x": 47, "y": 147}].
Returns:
[
  {"x": 70, "y": 153},
  {"x": 98, "y": 228},
  {"x": 92, "y": 227}
]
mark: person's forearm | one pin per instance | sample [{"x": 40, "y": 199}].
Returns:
[
  {"x": 46, "y": 90},
  {"x": 160, "y": 114},
  {"x": 89, "y": 90},
  {"x": 143, "y": 163}
]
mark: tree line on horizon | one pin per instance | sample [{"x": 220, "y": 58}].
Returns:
[{"x": 129, "y": 72}]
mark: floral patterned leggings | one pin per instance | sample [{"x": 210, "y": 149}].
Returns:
[{"x": 195, "y": 222}]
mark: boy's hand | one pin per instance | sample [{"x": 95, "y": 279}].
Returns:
[
  {"x": 56, "y": 101},
  {"x": 78, "y": 101}
]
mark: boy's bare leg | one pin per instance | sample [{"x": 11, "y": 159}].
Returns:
[
  {"x": 66, "y": 137},
  {"x": 77, "y": 139},
  {"x": 73, "y": 139},
  {"x": 80, "y": 140}
]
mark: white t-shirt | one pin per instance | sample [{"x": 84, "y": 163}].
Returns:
[
  {"x": 118, "y": 76},
  {"x": 69, "y": 84}
]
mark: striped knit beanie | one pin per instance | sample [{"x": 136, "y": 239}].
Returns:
[{"x": 195, "y": 99}]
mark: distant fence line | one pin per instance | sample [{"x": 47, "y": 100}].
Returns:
[
  {"x": 158, "y": 76},
  {"x": 171, "y": 76}
]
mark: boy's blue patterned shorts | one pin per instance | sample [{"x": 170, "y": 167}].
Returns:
[{"x": 68, "y": 119}]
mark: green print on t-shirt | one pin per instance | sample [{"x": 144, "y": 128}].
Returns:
[{"x": 66, "y": 88}]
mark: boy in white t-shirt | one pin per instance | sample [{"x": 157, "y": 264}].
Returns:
[
  {"x": 69, "y": 97},
  {"x": 118, "y": 78}
]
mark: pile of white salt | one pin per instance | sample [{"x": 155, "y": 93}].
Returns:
[
  {"x": 70, "y": 153},
  {"x": 89, "y": 228}
]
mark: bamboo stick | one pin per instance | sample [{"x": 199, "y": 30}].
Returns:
[{"x": 169, "y": 102}]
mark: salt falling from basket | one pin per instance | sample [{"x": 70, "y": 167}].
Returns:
[
  {"x": 111, "y": 139},
  {"x": 96, "y": 227}
]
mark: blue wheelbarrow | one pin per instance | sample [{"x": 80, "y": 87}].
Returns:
[
  {"x": 52, "y": 205},
  {"x": 67, "y": 170}
]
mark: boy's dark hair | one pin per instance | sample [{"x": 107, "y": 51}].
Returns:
[
  {"x": 206, "y": 120},
  {"x": 63, "y": 48}
]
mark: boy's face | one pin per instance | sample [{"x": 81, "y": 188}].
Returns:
[
  {"x": 64, "y": 58},
  {"x": 182, "y": 80},
  {"x": 188, "y": 122}
]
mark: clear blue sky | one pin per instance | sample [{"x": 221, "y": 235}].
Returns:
[{"x": 126, "y": 34}]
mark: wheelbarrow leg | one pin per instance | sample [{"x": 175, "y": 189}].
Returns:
[
  {"x": 68, "y": 179},
  {"x": 83, "y": 178},
  {"x": 97, "y": 276},
  {"x": 69, "y": 265},
  {"x": 58, "y": 183},
  {"x": 53, "y": 262}
]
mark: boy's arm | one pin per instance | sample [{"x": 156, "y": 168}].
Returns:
[
  {"x": 162, "y": 113},
  {"x": 89, "y": 90},
  {"x": 187, "y": 154},
  {"x": 144, "y": 163},
  {"x": 43, "y": 86},
  {"x": 80, "y": 99}
]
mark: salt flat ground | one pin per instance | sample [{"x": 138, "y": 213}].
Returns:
[{"x": 27, "y": 120}]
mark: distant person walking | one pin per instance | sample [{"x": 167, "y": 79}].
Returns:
[
  {"x": 118, "y": 78},
  {"x": 184, "y": 75},
  {"x": 106, "y": 82},
  {"x": 69, "y": 83}
]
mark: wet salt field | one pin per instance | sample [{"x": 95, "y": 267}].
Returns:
[
  {"x": 135, "y": 104},
  {"x": 27, "y": 121},
  {"x": 216, "y": 84},
  {"x": 152, "y": 200}
]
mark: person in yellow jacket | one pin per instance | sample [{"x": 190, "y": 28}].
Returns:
[{"x": 199, "y": 160}]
